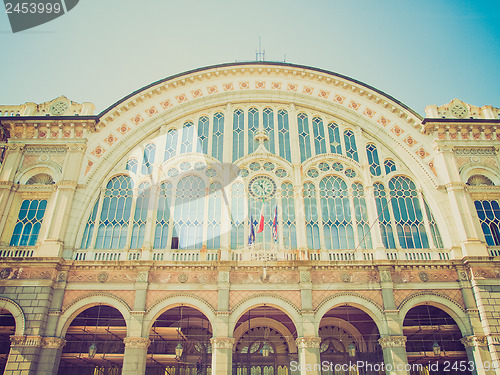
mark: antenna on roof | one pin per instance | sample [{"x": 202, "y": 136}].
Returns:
[{"x": 260, "y": 55}]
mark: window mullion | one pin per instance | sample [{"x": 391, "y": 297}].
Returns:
[
  {"x": 427, "y": 225},
  {"x": 97, "y": 220}
]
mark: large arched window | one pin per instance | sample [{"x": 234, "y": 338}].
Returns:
[
  {"x": 336, "y": 213},
  {"x": 253, "y": 127},
  {"x": 304, "y": 141},
  {"x": 284, "y": 135},
  {"x": 189, "y": 212},
  {"x": 214, "y": 216},
  {"x": 407, "y": 213},
  {"x": 115, "y": 214},
  {"x": 238, "y": 134},
  {"x": 163, "y": 216},
  {"x": 311, "y": 213},
  {"x": 288, "y": 216},
  {"x": 237, "y": 215},
  {"x": 489, "y": 216},
  {"x": 140, "y": 216},
  {"x": 28, "y": 223},
  {"x": 319, "y": 136},
  {"x": 217, "y": 136}
]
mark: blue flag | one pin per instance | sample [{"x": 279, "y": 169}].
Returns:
[{"x": 251, "y": 237}]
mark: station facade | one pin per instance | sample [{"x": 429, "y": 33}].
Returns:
[{"x": 250, "y": 218}]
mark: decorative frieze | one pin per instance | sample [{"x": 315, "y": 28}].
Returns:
[
  {"x": 53, "y": 342},
  {"x": 392, "y": 342},
  {"x": 308, "y": 342},
  {"x": 33, "y": 341},
  {"x": 136, "y": 342},
  {"x": 222, "y": 342}
]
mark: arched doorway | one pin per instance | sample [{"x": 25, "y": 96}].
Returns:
[
  {"x": 264, "y": 342},
  {"x": 433, "y": 342},
  {"x": 349, "y": 336},
  {"x": 94, "y": 343},
  {"x": 180, "y": 343},
  {"x": 7, "y": 329}
]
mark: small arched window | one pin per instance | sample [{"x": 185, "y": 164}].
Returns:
[
  {"x": 284, "y": 135},
  {"x": 203, "y": 129},
  {"x": 372, "y": 154},
  {"x": 489, "y": 216},
  {"x": 288, "y": 216},
  {"x": 334, "y": 134},
  {"x": 389, "y": 166},
  {"x": 217, "y": 136},
  {"x": 268, "y": 124},
  {"x": 187, "y": 137},
  {"x": 131, "y": 165},
  {"x": 304, "y": 141},
  {"x": 253, "y": 127},
  {"x": 148, "y": 159},
  {"x": 311, "y": 213},
  {"x": 350, "y": 145},
  {"x": 319, "y": 136},
  {"x": 171, "y": 144},
  {"x": 238, "y": 134}
]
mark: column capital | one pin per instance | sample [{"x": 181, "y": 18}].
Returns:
[
  {"x": 53, "y": 342},
  {"x": 392, "y": 342},
  {"x": 33, "y": 341},
  {"x": 473, "y": 341},
  {"x": 222, "y": 342},
  {"x": 308, "y": 342},
  {"x": 136, "y": 342}
]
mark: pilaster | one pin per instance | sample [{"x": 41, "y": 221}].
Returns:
[
  {"x": 477, "y": 352},
  {"x": 23, "y": 355},
  {"x": 50, "y": 355},
  {"x": 134, "y": 356},
  {"x": 222, "y": 355},
  {"x": 395, "y": 358},
  {"x": 309, "y": 358}
]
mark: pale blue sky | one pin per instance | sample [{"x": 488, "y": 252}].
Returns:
[{"x": 420, "y": 52}]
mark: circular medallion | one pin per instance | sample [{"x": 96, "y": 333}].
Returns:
[
  {"x": 58, "y": 108},
  {"x": 5, "y": 272},
  {"x": 459, "y": 111},
  {"x": 182, "y": 278},
  {"x": 423, "y": 276},
  {"x": 345, "y": 277},
  {"x": 102, "y": 277},
  {"x": 262, "y": 187}
]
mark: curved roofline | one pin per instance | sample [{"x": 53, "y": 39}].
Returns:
[{"x": 275, "y": 63}]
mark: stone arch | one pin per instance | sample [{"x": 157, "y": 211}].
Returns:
[
  {"x": 470, "y": 169},
  {"x": 177, "y": 300},
  {"x": 16, "y": 312},
  {"x": 341, "y": 323},
  {"x": 353, "y": 300},
  {"x": 48, "y": 167},
  {"x": 277, "y": 302},
  {"x": 442, "y": 302},
  {"x": 81, "y": 304},
  {"x": 267, "y": 322}
]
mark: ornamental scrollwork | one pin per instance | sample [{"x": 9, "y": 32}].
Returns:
[
  {"x": 393, "y": 342},
  {"x": 472, "y": 341},
  {"x": 222, "y": 342},
  {"x": 136, "y": 342},
  {"x": 308, "y": 342},
  {"x": 53, "y": 342}
]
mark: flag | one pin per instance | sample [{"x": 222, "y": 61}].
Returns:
[
  {"x": 251, "y": 237},
  {"x": 261, "y": 221},
  {"x": 275, "y": 224}
]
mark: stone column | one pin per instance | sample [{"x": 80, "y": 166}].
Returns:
[
  {"x": 477, "y": 352},
  {"x": 222, "y": 355},
  {"x": 50, "y": 355},
  {"x": 134, "y": 357},
  {"x": 395, "y": 359},
  {"x": 309, "y": 359},
  {"x": 23, "y": 355}
]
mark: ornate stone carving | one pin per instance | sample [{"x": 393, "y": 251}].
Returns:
[
  {"x": 53, "y": 342},
  {"x": 305, "y": 276},
  {"x": 474, "y": 151},
  {"x": 136, "y": 342},
  {"x": 472, "y": 341},
  {"x": 62, "y": 277},
  {"x": 5, "y": 273},
  {"x": 345, "y": 277},
  {"x": 102, "y": 277},
  {"x": 385, "y": 276},
  {"x": 308, "y": 342},
  {"x": 222, "y": 342},
  {"x": 182, "y": 278},
  {"x": 423, "y": 276},
  {"x": 142, "y": 277},
  {"x": 393, "y": 342},
  {"x": 26, "y": 340}
]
